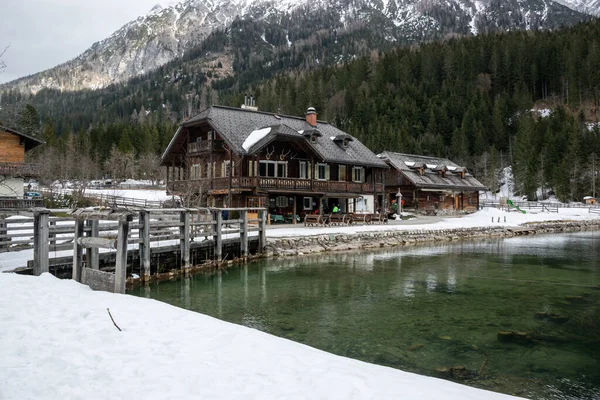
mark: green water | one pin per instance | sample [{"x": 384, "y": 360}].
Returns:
[{"x": 423, "y": 308}]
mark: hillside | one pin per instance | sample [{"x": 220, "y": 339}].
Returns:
[
  {"x": 166, "y": 34},
  {"x": 469, "y": 99}
]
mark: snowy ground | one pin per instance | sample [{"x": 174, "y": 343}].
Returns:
[
  {"x": 57, "y": 342},
  {"x": 486, "y": 217}
]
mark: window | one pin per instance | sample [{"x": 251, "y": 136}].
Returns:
[
  {"x": 302, "y": 170},
  {"x": 273, "y": 169},
  {"x": 357, "y": 174},
  {"x": 252, "y": 168},
  {"x": 195, "y": 172},
  {"x": 322, "y": 172},
  {"x": 282, "y": 169},
  {"x": 342, "y": 173},
  {"x": 281, "y": 201},
  {"x": 313, "y": 138},
  {"x": 428, "y": 198},
  {"x": 307, "y": 203},
  {"x": 267, "y": 168}
]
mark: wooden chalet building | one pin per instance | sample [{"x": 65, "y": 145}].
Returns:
[
  {"x": 13, "y": 169},
  {"x": 430, "y": 184},
  {"x": 241, "y": 157}
]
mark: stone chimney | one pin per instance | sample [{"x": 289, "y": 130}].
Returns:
[{"x": 311, "y": 116}]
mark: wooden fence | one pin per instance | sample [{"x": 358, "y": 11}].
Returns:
[
  {"x": 536, "y": 205},
  {"x": 110, "y": 200},
  {"x": 150, "y": 230}
]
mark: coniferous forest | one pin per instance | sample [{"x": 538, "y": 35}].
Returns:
[{"x": 530, "y": 100}]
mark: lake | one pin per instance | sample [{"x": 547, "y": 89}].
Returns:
[{"x": 517, "y": 315}]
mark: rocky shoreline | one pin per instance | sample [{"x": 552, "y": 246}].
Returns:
[{"x": 374, "y": 240}]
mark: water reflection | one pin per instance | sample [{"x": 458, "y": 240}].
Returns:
[{"x": 422, "y": 308}]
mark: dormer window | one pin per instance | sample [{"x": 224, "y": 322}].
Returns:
[
  {"x": 342, "y": 140},
  {"x": 311, "y": 134}
]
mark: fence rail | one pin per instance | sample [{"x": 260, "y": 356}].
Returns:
[
  {"x": 537, "y": 205},
  {"x": 110, "y": 200}
]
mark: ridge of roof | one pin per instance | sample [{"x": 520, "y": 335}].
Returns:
[{"x": 245, "y": 110}]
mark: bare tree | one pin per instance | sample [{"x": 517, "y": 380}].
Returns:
[
  {"x": 2, "y": 63},
  {"x": 119, "y": 165},
  {"x": 149, "y": 167}
]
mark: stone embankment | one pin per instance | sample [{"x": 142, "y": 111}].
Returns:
[{"x": 372, "y": 240}]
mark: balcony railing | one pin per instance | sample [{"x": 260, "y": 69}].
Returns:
[
  {"x": 205, "y": 146},
  {"x": 20, "y": 169},
  {"x": 291, "y": 184}
]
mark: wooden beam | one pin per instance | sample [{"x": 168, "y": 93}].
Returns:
[
  {"x": 262, "y": 230},
  {"x": 217, "y": 237},
  {"x": 244, "y": 234},
  {"x": 144, "y": 245},
  {"x": 97, "y": 243},
  {"x": 93, "y": 254},
  {"x": 41, "y": 245},
  {"x": 77, "y": 251},
  {"x": 121, "y": 266},
  {"x": 184, "y": 239}
]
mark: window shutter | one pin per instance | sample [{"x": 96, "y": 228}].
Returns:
[
  {"x": 362, "y": 174},
  {"x": 327, "y": 172},
  {"x": 223, "y": 168},
  {"x": 309, "y": 170},
  {"x": 353, "y": 174}
]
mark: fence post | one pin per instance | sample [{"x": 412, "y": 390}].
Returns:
[
  {"x": 217, "y": 237},
  {"x": 41, "y": 247},
  {"x": 92, "y": 254},
  {"x": 121, "y": 267},
  {"x": 144, "y": 243},
  {"x": 184, "y": 239},
  {"x": 244, "y": 234},
  {"x": 262, "y": 230},
  {"x": 4, "y": 242},
  {"x": 77, "y": 251}
]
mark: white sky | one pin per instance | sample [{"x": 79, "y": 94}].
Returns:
[{"x": 45, "y": 33}]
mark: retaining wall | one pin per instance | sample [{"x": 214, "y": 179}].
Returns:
[{"x": 372, "y": 240}]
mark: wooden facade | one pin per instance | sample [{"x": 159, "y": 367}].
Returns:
[
  {"x": 282, "y": 163},
  {"x": 13, "y": 168},
  {"x": 430, "y": 185}
]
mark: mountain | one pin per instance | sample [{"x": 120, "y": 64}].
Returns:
[
  {"x": 586, "y": 6},
  {"x": 167, "y": 33}
]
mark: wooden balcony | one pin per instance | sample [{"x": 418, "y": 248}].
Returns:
[
  {"x": 205, "y": 146},
  {"x": 20, "y": 170},
  {"x": 291, "y": 184}
]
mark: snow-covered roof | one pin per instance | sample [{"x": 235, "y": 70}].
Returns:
[{"x": 254, "y": 137}]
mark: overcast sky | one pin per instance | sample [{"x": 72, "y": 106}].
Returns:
[{"x": 45, "y": 33}]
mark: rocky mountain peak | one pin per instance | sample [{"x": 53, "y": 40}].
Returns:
[{"x": 167, "y": 32}]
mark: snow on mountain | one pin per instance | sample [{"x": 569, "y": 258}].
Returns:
[
  {"x": 586, "y": 6},
  {"x": 169, "y": 30}
]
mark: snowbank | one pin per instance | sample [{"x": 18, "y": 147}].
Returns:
[
  {"x": 480, "y": 219},
  {"x": 58, "y": 342}
]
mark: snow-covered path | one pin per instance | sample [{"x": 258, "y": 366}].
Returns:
[{"x": 57, "y": 342}]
